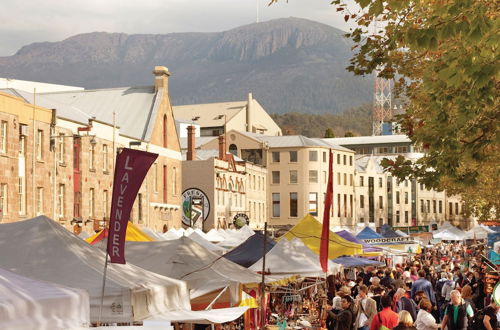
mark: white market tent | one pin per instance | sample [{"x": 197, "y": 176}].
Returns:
[
  {"x": 195, "y": 237},
  {"x": 42, "y": 249},
  {"x": 26, "y": 303},
  {"x": 214, "y": 236},
  {"x": 293, "y": 258},
  {"x": 171, "y": 234},
  {"x": 401, "y": 233},
  {"x": 450, "y": 235},
  {"x": 477, "y": 232},
  {"x": 153, "y": 234}
]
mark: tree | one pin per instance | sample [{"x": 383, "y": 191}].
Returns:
[
  {"x": 329, "y": 133},
  {"x": 348, "y": 134},
  {"x": 444, "y": 58}
]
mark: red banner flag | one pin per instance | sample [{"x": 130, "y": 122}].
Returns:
[
  {"x": 325, "y": 232},
  {"x": 130, "y": 170}
]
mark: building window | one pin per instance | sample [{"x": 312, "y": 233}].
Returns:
[
  {"x": 139, "y": 208},
  {"x": 3, "y": 137},
  {"x": 345, "y": 159},
  {"x": 398, "y": 220},
  {"x": 350, "y": 206},
  {"x": 313, "y": 203},
  {"x": 422, "y": 206},
  {"x": 276, "y": 177},
  {"x": 421, "y": 186},
  {"x": 39, "y": 200},
  {"x": 293, "y": 205},
  {"x": 276, "y": 156},
  {"x": 450, "y": 206},
  {"x": 105, "y": 203},
  {"x": 456, "y": 209},
  {"x": 174, "y": 181},
  {"x": 324, "y": 156},
  {"x": 380, "y": 202},
  {"x": 351, "y": 179},
  {"x": 401, "y": 150},
  {"x": 91, "y": 203},
  {"x": 406, "y": 197},
  {"x": 39, "y": 144},
  {"x": 22, "y": 144},
  {"x": 164, "y": 183},
  {"x": 233, "y": 149},
  {"x": 293, "y": 156},
  {"x": 350, "y": 160},
  {"x": 406, "y": 217},
  {"x": 440, "y": 206},
  {"x": 339, "y": 182},
  {"x": 361, "y": 181},
  {"x": 362, "y": 220},
  {"x": 165, "y": 131},
  {"x": 92, "y": 157},
  {"x": 313, "y": 176},
  {"x": 61, "y": 200},
  {"x": 61, "y": 148},
  {"x": 313, "y": 156},
  {"x": 345, "y": 179},
  {"x": 324, "y": 177},
  {"x": 105, "y": 161},
  {"x": 361, "y": 201},
  {"x": 406, "y": 183},
  {"x": 434, "y": 206},
  {"x": 22, "y": 195},
  {"x": 345, "y": 205},
  {"x": 338, "y": 205},
  {"x": 294, "y": 177},
  {"x": 4, "y": 198},
  {"x": 276, "y": 205},
  {"x": 155, "y": 177},
  {"x": 380, "y": 183},
  {"x": 338, "y": 159},
  {"x": 428, "y": 206},
  {"x": 397, "y": 197}
]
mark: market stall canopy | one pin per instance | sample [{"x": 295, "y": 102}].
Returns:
[
  {"x": 216, "y": 316},
  {"x": 172, "y": 234},
  {"x": 248, "y": 252},
  {"x": 368, "y": 233},
  {"x": 26, "y": 303},
  {"x": 308, "y": 230},
  {"x": 214, "y": 236},
  {"x": 156, "y": 236},
  {"x": 356, "y": 262},
  {"x": 236, "y": 237},
  {"x": 293, "y": 258},
  {"x": 451, "y": 235},
  {"x": 42, "y": 249},
  {"x": 184, "y": 259},
  {"x": 477, "y": 232},
  {"x": 196, "y": 237},
  {"x": 368, "y": 250},
  {"x": 133, "y": 234},
  {"x": 401, "y": 233}
]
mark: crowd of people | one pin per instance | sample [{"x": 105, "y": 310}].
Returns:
[{"x": 442, "y": 288}]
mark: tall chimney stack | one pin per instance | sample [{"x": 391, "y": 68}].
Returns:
[
  {"x": 249, "y": 112},
  {"x": 222, "y": 147},
  {"x": 191, "y": 151},
  {"x": 161, "y": 77}
]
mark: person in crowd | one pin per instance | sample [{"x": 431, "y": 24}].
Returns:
[
  {"x": 398, "y": 281},
  {"x": 448, "y": 286},
  {"x": 341, "y": 293},
  {"x": 402, "y": 303},
  {"x": 344, "y": 319},
  {"x": 365, "y": 309},
  {"x": 405, "y": 321},
  {"x": 468, "y": 297},
  {"x": 387, "y": 280},
  {"x": 387, "y": 317},
  {"x": 425, "y": 320},
  {"x": 479, "y": 291},
  {"x": 355, "y": 288},
  {"x": 378, "y": 292},
  {"x": 457, "y": 313},
  {"x": 375, "y": 284},
  {"x": 490, "y": 320},
  {"x": 423, "y": 285}
]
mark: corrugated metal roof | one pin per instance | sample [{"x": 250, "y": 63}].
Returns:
[
  {"x": 133, "y": 107},
  {"x": 207, "y": 154},
  {"x": 363, "y": 160},
  {"x": 208, "y": 112},
  {"x": 377, "y": 139},
  {"x": 199, "y": 141}
]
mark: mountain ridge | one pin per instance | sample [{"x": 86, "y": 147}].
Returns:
[{"x": 288, "y": 64}]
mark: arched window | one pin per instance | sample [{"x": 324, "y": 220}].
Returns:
[
  {"x": 164, "y": 131},
  {"x": 233, "y": 149}
]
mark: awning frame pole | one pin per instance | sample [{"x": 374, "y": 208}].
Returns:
[{"x": 209, "y": 307}]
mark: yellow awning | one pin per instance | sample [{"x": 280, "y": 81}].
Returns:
[
  {"x": 133, "y": 234},
  {"x": 309, "y": 231}
]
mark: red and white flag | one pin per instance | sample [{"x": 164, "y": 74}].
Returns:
[
  {"x": 325, "y": 232},
  {"x": 130, "y": 170}
]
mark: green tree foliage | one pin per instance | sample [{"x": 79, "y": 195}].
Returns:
[
  {"x": 444, "y": 58},
  {"x": 358, "y": 120},
  {"x": 329, "y": 133},
  {"x": 348, "y": 134}
]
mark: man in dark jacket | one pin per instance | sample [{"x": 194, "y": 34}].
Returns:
[
  {"x": 457, "y": 313},
  {"x": 343, "y": 320}
]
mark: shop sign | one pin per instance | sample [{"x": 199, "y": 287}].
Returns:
[
  {"x": 240, "y": 220},
  {"x": 402, "y": 240},
  {"x": 195, "y": 208},
  {"x": 413, "y": 229}
]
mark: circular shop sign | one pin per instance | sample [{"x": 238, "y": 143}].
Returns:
[
  {"x": 240, "y": 220},
  {"x": 195, "y": 208}
]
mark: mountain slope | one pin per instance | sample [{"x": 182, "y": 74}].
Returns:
[{"x": 288, "y": 64}]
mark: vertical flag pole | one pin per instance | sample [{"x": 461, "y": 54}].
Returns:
[
  {"x": 262, "y": 285},
  {"x": 325, "y": 232}
]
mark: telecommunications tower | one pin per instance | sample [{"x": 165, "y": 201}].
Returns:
[{"x": 382, "y": 109}]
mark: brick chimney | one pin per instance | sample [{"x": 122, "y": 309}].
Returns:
[
  {"x": 161, "y": 77},
  {"x": 191, "y": 151},
  {"x": 222, "y": 147},
  {"x": 249, "y": 112}
]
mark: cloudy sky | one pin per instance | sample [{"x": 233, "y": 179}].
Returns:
[{"x": 24, "y": 22}]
